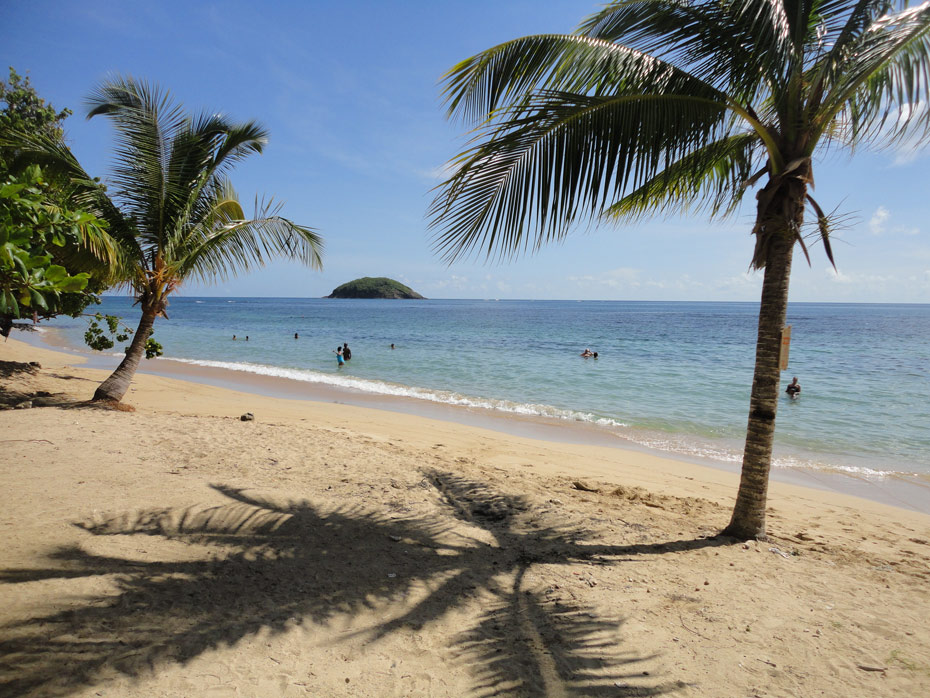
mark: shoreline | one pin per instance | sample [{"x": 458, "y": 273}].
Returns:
[
  {"x": 904, "y": 492},
  {"x": 328, "y": 549}
]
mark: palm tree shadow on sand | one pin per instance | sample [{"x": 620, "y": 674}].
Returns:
[{"x": 294, "y": 563}]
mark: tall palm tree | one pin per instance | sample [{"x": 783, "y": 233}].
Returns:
[
  {"x": 668, "y": 105},
  {"x": 172, "y": 208}
]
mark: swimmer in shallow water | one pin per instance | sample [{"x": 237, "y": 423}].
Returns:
[{"x": 794, "y": 389}]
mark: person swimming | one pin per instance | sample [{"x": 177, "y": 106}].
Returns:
[
  {"x": 794, "y": 389},
  {"x": 586, "y": 353}
]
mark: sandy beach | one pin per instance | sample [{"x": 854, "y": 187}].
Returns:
[{"x": 332, "y": 550}]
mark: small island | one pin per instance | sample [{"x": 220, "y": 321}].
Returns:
[{"x": 374, "y": 287}]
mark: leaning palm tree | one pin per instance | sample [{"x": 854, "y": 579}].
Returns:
[
  {"x": 669, "y": 105},
  {"x": 172, "y": 207}
]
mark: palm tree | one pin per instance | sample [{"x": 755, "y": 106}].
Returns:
[
  {"x": 172, "y": 208},
  {"x": 666, "y": 105}
]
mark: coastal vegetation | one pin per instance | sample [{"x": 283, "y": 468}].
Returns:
[
  {"x": 659, "y": 106},
  {"x": 54, "y": 255},
  {"x": 374, "y": 287},
  {"x": 30, "y": 227},
  {"x": 173, "y": 211}
]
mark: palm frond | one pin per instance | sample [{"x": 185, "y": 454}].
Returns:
[
  {"x": 146, "y": 122},
  {"x": 559, "y": 157},
  {"x": 711, "y": 178},
  {"x": 239, "y": 141},
  {"x": 201, "y": 152},
  {"x": 741, "y": 47},
  {"x": 842, "y": 27},
  {"x": 825, "y": 226},
  {"x": 884, "y": 75},
  {"x": 169, "y": 179},
  {"x": 502, "y": 77},
  {"x": 225, "y": 243}
]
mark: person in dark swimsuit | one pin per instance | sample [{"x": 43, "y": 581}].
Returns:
[{"x": 794, "y": 388}]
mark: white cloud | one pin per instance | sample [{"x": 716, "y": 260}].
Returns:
[
  {"x": 745, "y": 281},
  {"x": 905, "y": 155},
  {"x": 878, "y": 220},
  {"x": 861, "y": 281},
  {"x": 439, "y": 174},
  {"x": 453, "y": 282},
  {"x": 621, "y": 277},
  {"x": 878, "y": 224}
]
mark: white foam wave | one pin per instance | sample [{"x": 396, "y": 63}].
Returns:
[
  {"x": 378, "y": 387},
  {"x": 696, "y": 448},
  {"x": 688, "y": 446}
]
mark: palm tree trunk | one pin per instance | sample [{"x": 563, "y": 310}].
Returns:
[
  {"x": 748, "y": 519},
  {"x": 114, "y": 387}
]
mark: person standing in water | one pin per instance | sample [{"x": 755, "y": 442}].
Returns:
[
  {"x": 794, "y": 388},
  {"x": 340, "y": 359},
  {"x": 346, "y": 352}
]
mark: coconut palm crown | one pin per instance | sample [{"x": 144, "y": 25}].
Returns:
[
  {"x": 172, "y": 208},
  {"x": 673, "y": 105}
]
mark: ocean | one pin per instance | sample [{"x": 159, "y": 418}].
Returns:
[{"x": 670, "y": 376}]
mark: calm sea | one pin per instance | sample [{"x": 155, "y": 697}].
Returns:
[{"x": 670, "y": 376}]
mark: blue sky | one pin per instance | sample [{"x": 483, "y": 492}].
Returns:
[{"x": 349, "y": 93}]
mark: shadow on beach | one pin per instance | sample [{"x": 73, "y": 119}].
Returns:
[{"x": 287, "y": 564}]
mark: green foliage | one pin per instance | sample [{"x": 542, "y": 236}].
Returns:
[
  {"x": 74, "y": 240},
  {"x": 100, "y": 339},
  {"x": 24, "y": 111},
  {"x": 31, "y": 227},
  {"x": 104, "y": 331},
  {"x": 152, "y": 349}
]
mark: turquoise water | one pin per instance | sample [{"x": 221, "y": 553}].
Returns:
[{"x": 670, "y": 376}]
